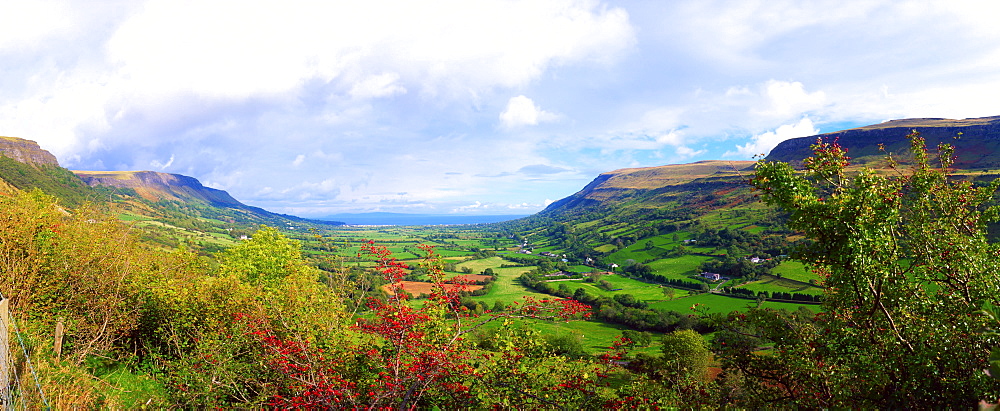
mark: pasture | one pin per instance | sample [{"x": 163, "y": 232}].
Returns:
[
  {"x": 772, "y": 283},
  {"x": 418, "y": 288},
  {"x": 459, "y": 245},
  {"x": 720, "y": 304}
]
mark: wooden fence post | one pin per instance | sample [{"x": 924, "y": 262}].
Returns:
[
  {"x": 4, "y": 354},
  {"x": 59, "y": 338}
]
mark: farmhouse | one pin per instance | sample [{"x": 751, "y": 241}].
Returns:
[{"x": 712, "y": 276}]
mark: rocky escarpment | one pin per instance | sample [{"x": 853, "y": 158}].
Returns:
[
  {"x": 26, "y": 151},
  {"x": 976, "y": 141},
  {"x": 156, "y": 186}
]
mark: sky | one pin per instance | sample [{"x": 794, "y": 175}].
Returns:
[{"x": 469, "y": 107}]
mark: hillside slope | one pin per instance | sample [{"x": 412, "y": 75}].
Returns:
[
  {"x": 172, "y": 207},
  {"x": 25, "y": 166},
  {"x": 156, "y": 186},
  {"x": 977, "y": 145},
  {"x": 622, "y": 207},
  {"x": 698, "y": 230},
  {"x": 650, "y": 187}
]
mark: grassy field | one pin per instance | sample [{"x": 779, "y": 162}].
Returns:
[
  {"x": 451, "y": 253},
  {"x": 771, "y": 283},
  {"x": 506, "y": 288},
  {"x": 794, "y": 270},
  {"x": 720, "y": 304},
  {"x": 596, "y": 336},
  {"x": 643, "y": 291},
  {"x": 477, "y": 266},
  {"x": 638, "y": 289},
  {"x": 682, "y": 267}
]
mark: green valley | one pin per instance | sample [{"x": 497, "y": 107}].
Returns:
[{"x": 793, "y": 281}]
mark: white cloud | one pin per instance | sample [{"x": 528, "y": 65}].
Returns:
[
  {"x": 663, "y": 122},
  {"x": 685, "y": 152},
  {"x": 732, "y": 31},
  {"x": 162, "y": 166},
  {"x": 227, "y": 48},
  {"x": 673, "y": 138},
  {"x": 787, "y": 98},
  {"x": 715, "y": 115},
  {"x": 764, "y": 142},
  {"x": 308, "y": 189},
  {"x": 25, "y": 23},
  {"x": 366, "y": 100},
  {"x": 522, "y": 111},
  {"x": 165, "y": 63},
  {"x": 466, "y": 208},
  {"x": 382, "y": 85},
  {"x": 223, "y": 180}
]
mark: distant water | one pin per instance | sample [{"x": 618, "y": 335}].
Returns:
[{"x": 416, "y": 219}]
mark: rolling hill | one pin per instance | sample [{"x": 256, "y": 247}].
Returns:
[
  {"x": 173, "y": 208},
  {"x": 656, "y": 206}
]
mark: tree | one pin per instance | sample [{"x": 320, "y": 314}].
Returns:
[
  {"x": 906, "y": 265},
  {"x": 407, "y": 356},
  {"x": 264, "y": 259},
  {"x": 637, "y": 338},
  {"x": 685, "y": 356}
]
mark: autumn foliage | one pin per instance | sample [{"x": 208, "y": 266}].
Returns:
[{"x": 406, "y": 354}]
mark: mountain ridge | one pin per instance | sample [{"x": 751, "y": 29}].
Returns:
[
  {"x": 632, "y": 182},
  {"x": 622, "y": 206},
  {"x": 24, "y": 165},
  {"x": 157, "y": 186},
  {"x": 976, "y": 141}
]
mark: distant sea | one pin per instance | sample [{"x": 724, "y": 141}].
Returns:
[{"x": 415, "y": 219}]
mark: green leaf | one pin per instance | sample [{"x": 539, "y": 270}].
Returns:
[{"x": 995, "y": 363}]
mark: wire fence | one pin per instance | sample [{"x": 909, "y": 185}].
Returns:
[{"x": 16, "y": 367}]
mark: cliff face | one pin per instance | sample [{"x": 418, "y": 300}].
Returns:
[
  {"x": 26, "y": 151},
  {"x": 977, "y": 148},
  {"x": 156, "y": 186}
]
